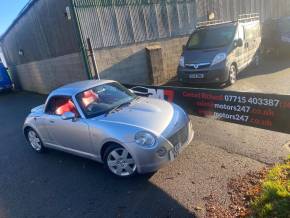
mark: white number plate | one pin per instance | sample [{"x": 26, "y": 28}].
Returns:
[{"x": 196, "y": 76}]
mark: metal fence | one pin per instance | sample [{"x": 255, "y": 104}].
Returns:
[
  {"x": 112, "y": 23},
  {"x": 231, "y": 9},
  {"x": 119, "y": 22},
  {"x": 42, "y": 31}
]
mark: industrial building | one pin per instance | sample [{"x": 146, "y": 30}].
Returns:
[{"x": 55, "y": 42}]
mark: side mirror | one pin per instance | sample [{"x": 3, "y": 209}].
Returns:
[
  {"x": 68, "y": 116},
  {"x": 238, "y": 43}
]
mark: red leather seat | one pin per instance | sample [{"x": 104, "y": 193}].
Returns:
[
  {"x": 89, "y": 97},
  {"x": 66, "y": 107}
]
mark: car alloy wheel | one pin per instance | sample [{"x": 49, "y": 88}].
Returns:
[
  {"x": 232, "y": 75},
  {"x": 120, "y": 162},
  {"x": 34, "y": 140}
]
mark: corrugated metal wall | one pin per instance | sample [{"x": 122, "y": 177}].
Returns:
[
  {"x": 230, "y": 9},
  {"x": 43, "y": 32},
  {"x": 119, "y": 22},
  {"x": 114, "y": 23}
]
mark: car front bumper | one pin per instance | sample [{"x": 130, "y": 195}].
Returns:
[
  {"x": 5, "y": 88},
  {"x": 149, "y": 160},
  {"x": 217, "y": 75}
]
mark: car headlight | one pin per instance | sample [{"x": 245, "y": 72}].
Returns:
[
  {"x": 145, "y": 139},
  {"x": 219, "y": 58},
  {"x": 181, "y": 61}
]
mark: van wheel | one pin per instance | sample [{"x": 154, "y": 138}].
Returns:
[{"x": 233, "y": 73}]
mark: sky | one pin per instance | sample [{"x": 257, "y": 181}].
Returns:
[{"x": 9, "y": 9}]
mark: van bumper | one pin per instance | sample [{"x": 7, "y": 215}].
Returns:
[
  {"x": 209, "y": 75},
  {"x": 6, "y": 88}
]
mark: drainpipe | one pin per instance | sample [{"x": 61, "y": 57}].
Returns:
[
  {"x": 93, "y": 59},
  {"x": 80, "y": 39}
]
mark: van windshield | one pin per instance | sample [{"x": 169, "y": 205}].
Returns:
[{"x": 211, "y": 37}]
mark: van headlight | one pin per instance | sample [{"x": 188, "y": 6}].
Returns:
[
  {"x": 145, "y": 139},
  {"x": 181, "y": 61},
  {"x": 219, "y": 58}
]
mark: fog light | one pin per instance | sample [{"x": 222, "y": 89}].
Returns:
[{"x": 162, "y": 152}]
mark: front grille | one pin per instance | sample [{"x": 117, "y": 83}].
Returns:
[
  {"x": 179, "y": 137},
  {"x": 198, "y": 66}
]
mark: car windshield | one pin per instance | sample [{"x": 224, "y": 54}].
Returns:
[
  {"x": 211, "y": 37},
  {"x": 104, "y": 98}
]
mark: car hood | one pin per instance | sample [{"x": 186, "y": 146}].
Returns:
[
  {"x": 202, "y": 56},
  {"x": 146, "y": 113}
]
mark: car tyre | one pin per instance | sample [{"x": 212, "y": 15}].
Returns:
[
  {"x": 119, "y": 161},
  {"x": 34, "y": 140},
  {"x": 233, "y": 73}
]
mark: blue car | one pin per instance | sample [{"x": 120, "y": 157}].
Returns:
[{"x": 5, "y": 81}]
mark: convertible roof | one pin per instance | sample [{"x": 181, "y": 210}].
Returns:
[{"x": 77, "y": 87}]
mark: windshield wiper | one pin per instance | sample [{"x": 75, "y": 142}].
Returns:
[{"x": 117, "y": 107}]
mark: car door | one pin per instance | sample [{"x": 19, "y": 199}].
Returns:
[
  {"x": 240, "y": 51},
  {"x": 70, "y": 135},
  {"x": 252, "y": 41}
]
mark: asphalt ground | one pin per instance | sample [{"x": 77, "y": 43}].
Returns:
[
  {"x": 56, "y": 184},
  {"x": 272, "y": 76}
]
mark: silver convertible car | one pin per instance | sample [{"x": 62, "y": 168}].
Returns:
[{"x": 104, "y": 121}]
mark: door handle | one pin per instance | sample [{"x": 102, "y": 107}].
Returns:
[
  {"x": 35, "y": 118},
  {"x": 51, "y": 121}
]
